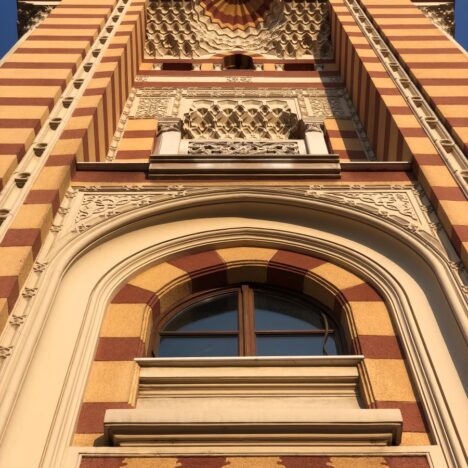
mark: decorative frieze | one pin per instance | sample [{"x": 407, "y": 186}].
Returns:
[
  {"x": 156, "y": 103},
  {"x": 241, "y": 148}
]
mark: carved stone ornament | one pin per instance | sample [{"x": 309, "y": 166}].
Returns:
[
  {"x": 287, "y": 29},
  {"x": 96, "y": 207},
  {"x": 244, "y": 119},
  {"x": 397, "y": 205},
  {"x": 17, "y": 320},
  {"x": 28, "y": 293},
  {"x": 157, "y": 103},
  {"x": 311, "y": 125},
  {"x": 402, "y": 204},
  {"x": 169, "y": 125},
  {"x": 5, "y": 351},
  {"x": 243, "y": 147}
]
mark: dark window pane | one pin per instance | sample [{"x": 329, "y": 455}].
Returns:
[
  {"x": 218, "y": 313},
  {"x": 294, "y": 345},
  {"x": 183, "y": 346},
  {"x": 274, "y": 312}
]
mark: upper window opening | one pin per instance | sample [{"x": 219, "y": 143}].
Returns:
[
  {"x": 299, "y": 66},
  {"x": 247, "y": 321},
  {"x": 238, "y": 62},
  {"x": 177, "y": 66}
]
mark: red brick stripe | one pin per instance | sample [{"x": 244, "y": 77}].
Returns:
[
  {"x": 207, "y": 269},
  {"x": 119, "y": 349},
  {"x": 130, "y": 294}
]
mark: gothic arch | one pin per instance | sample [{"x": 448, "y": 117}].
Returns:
[{"x": 222, "y": 221}]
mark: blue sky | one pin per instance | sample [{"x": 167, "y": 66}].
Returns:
[
  {"x": 8, "y": 35},
  {"x": 461, "y": 19}
]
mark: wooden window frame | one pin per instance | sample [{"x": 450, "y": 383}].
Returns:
[{"x": 246, "y": 332}]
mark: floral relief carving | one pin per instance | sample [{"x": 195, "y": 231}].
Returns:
[
  {"x": 395, "y": 204},
  {"x": 240, "y": 148},
  {"x": 159, "y": 103},
  {"x": 152, "y": 108},
  {"x": 100, "y": 206}
]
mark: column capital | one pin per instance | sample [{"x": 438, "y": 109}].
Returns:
[
  {"x": 169, "y": 124},
  {"x": 312, "y": 125}
]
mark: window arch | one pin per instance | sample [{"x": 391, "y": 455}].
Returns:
[{"x": 247, "y": 320}]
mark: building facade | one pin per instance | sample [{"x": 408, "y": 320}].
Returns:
[{"x": 234, "y": 234}]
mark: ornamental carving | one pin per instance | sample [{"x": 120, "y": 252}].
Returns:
[
  {"x": 244, "y": 119},
  {"x": 154, "y": 103},
  {"x": 243, "y": 148},
  {"x": 96, "y": 207},
  {"x": 397, "y": 205},
  {"x": 152, "y": 108},
  {"x": 169, "y": 125},
  {"x": 286, "y": 29}
]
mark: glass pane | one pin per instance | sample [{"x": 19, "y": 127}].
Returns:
[
  {"x": 200, "y": 346},
  {"x": 218, "y": 313},
  {"x": 275, "y": 312},
  {"x": 294, "y": 345}
]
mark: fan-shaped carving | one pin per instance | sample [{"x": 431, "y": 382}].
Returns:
[
  {"x": 285, "y": 29},
  {"x": 237, "y": 14}
]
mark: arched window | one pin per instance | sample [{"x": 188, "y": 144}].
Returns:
[
  {"x": 247, "y": 321},
  {"x": 238, "y": 62}
]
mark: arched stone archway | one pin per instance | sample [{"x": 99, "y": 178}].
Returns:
[{"x": 69, "y": 314}]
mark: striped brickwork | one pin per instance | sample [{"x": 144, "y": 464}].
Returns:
[
  {"x": 138, "y": 140},
  {"x": 366, "y": 322},
  {"x": 434, "y": 61},
  {"x": 33, "y": 78},
  {"x": 89, "y": 130},
  {"x": 392, "y": 129},
  {"x": 398, "y": 461},
  {"x": 343, "y": 140},
  {"x": 96, "y": 117}
]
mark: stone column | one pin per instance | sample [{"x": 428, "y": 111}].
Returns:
[
  {"x": 314, "y": 137},
  {"x": 169, "y": 136}
]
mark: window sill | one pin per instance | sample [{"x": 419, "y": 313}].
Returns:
[{"x": 245, "y": 400}]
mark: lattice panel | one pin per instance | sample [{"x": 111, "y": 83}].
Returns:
[{"x": 248, "y": 119}]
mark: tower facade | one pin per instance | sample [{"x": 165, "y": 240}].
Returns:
[{"x": 234, "y": 234}]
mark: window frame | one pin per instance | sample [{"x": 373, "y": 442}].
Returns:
[{"x": 246, "y": 332}]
